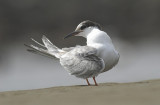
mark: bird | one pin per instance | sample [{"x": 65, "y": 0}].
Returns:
[{"x": 97, "y": 56}]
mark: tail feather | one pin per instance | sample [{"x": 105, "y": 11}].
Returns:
[
  {"x": 50, "y": 49},
  {"x": 38, "y": 42},
  {"x": 49, "y": 45},
  {"x": 40, "y": 51}
]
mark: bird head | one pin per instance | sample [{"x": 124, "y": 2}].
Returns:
[{"x": 84, "y": 28}]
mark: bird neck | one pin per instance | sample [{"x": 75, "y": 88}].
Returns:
[{"x": 97, "y": 36}]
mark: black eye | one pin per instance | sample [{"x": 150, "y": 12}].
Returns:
[{"x": 83, "y": 27}]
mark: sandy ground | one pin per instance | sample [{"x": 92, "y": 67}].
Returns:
[{"x": 138, "y": 93}]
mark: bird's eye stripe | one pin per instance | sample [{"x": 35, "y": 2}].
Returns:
[{"x": 83, "y": 27}]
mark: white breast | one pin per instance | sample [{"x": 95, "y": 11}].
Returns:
[{"x": 106, "y": 50}]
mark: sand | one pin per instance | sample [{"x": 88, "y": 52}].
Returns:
[{"x": 138, "y": 93}]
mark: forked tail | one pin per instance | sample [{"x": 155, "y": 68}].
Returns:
[{"x": 48, "y": 49}]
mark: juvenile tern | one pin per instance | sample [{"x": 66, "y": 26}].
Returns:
[{"x": 98, "y": 56}]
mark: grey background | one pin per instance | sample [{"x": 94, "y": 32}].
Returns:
[{"x": 133, "y": 26}]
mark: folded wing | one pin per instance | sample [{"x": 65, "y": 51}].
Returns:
[{"x": 82, "y": 62}]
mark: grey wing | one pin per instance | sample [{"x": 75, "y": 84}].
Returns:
[
  {"x": 82, "y": 62},
  {"x": 70, "y": 48}
]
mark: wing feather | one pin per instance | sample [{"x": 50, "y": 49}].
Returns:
[{"x": 82, "y": 62}]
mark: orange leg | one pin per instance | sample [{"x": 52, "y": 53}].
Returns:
[
  {"x": 95, "y": 81},
  {"x": 87, "y": 81}
]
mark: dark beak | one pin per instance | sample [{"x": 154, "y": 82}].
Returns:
[{"x": 72, "y": 34}]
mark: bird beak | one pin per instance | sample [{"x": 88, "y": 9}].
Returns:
[{"x": 72, "y": 34}]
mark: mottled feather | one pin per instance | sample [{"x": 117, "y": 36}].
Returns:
[{"x": 82, "y": 62}]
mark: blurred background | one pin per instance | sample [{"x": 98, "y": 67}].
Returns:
[{"x": 133, "y": 25}]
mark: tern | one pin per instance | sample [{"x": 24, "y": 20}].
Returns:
[{"x": 98, "y": 56}]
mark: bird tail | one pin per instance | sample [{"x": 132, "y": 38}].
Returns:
[{"x": 48, "y": 49}]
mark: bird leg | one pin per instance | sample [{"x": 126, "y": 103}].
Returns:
[
  {"x": 95, "y": 81},
  {"x": 87, "y": 81}
]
